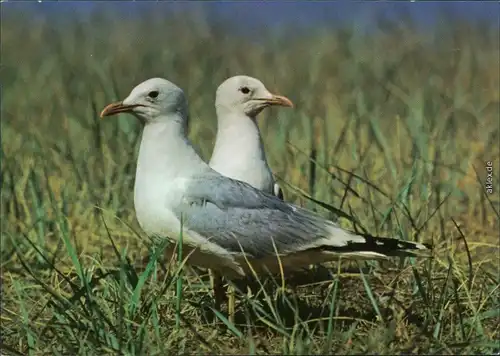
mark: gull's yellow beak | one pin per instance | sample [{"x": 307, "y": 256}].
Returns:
[{"x": 116, "y": 108}]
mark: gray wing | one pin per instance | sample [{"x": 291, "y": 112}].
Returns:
[
  {"x": 237, "y": 217},
  {"x": 226, "y": 193}
]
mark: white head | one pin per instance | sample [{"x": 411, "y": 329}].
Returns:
[
  {"x": 155, "y": 98},
  {"x": 246, "y": 95}
]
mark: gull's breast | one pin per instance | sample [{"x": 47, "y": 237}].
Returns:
[{"x": 154, "y": 202}]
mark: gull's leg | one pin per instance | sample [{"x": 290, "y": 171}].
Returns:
[
  {"x": 230, "y": 303},
  {"x": 219, "y": 295},
  {"x": 218, "y": 288}
]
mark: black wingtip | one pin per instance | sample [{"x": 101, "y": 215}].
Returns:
[{"x": 383, "y": 245}]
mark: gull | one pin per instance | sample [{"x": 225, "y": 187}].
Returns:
[
  {"x": 239, "y": 151},
  {"x": 226, "y": 225}
]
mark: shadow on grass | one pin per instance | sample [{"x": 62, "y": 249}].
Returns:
[{"x": 309, "y": 297}]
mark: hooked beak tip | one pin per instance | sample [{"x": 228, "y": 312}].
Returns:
[
  {"x": 115, "y": 108},
  {"x": 281, "y": 101}
]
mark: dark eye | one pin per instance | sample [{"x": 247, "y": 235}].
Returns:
[
  {"x": 153, "y": 94},
  {"x": 245, "y": 90}
]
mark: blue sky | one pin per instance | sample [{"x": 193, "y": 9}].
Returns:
[{"x": 252, "y": 14}]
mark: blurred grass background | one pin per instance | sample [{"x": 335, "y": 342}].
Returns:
[{"x": 406, "y": 119}]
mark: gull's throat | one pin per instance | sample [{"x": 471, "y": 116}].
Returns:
[{"x": 239, "y": 152}]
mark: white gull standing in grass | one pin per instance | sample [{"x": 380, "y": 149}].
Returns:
[
  {"x": 227, "y": 225},
  {"x": 239, "y": 151}
]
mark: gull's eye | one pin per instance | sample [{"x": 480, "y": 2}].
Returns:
[
  {"x": 153, "y": 94},
  {"x": 245, "y": 90}
]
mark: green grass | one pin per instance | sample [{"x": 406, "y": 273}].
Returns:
[{"x": 391, "y": 129}]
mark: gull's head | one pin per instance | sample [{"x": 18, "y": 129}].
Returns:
[
  {"x": 246, "y": 95},
  {"x": 153, "y": 99}
]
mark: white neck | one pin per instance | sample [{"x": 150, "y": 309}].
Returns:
[
  {"x": 165, "y": 156},
  {"x": 166, "y": 162},
  {"x": 239, "y": 151}
]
